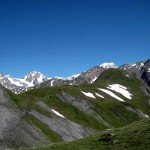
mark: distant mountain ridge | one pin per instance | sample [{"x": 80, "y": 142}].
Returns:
[
  {"x": 35, "y": 79},
  {"x": 85, "y": 77},
  {"x": 18, "y": 85}
]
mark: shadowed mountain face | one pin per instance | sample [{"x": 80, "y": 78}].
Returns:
[{"x": 48, "y": 115}]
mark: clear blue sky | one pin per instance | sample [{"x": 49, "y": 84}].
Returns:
[{"x": 64, "y": 37}]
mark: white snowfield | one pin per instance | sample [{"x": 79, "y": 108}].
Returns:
[
  {"x": 88, "y": 94},
  {"x": 57, "y": 113},
  {"x": 99, "y": 95},
  {"x": 120, "y": 89},
  {"x": 14, "y": 81},
  {"x": 29, "y": 84},
  {"x": 111, "y": 94},
  {"x": 127, "y": 75},
  {"x": 148, "y": 69}
]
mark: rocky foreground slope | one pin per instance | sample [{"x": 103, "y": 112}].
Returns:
[
  {"x": 64, "y": 113},
  {"x": 132, "y": 137},
  {"x": 13, "y": 127}
]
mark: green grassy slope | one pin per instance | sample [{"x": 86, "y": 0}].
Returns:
[
  {"x": 111, "y": 110},
  {"x": 135, "y": 136}
]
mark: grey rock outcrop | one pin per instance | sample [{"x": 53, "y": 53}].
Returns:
[
  {"x": 67, "y": 129},
  {"x": 139, "y": 69},
  {"x": 26, "y": 135},
  {"x": 137, "y": 111},
  {"x": 82, "y": 105},
  {"x": 13, "y": 127}
]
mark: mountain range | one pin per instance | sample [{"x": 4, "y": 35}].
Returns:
[
  {"x": 37, "y": 110},
  {"x": 36, "y": 79}
]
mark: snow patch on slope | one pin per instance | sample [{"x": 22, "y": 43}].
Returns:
[
  {"x": 52, "y": 83},
  {"x": 142, "y": 64},
  {"x": 111, "y": 94},
  {"x": 88, "y": 94},
  {"x": 14, "y": 81},
  {"x": 29, "y": 84},
  {"x": 73, "y": 76},
  {"x": 57, "y": 113},
  {"x": 94, "y": 80},
  {"x": 99, "y": 95},
  {"x": 120, "y": 89},
  {"x": 60, "y": 78}
]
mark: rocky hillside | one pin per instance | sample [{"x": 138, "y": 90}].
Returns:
[
  {"x": 86, "y": 77},
  {"x": 134, "y": 136},
  {"x": 69, "y": 112},
  {"x": 141, "y": 70},
  {"x": 14, "y": 129}
]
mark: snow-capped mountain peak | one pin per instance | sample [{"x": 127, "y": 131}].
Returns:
[
  {"x": 108, "y": 65},
  {"x": 35, "y": 78},
  {"x": 18, "y": 85}
]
